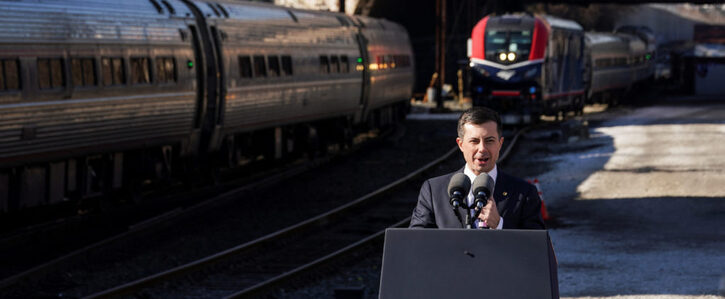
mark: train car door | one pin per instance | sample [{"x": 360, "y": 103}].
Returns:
[
  {"x": 364, "y": 61},
  {"x": 208, "y": 76}
]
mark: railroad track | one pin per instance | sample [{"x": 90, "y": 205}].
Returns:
[
  {"x": 218, "y": 196},
  {"x": 262, "y": 264}
]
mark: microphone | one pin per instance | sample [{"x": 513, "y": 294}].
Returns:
[
  {"x": 482, "y": 187},
  {"x": 458, "y": 189}
]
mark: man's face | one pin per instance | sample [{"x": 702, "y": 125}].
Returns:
[{"x": 480, "y": 146}]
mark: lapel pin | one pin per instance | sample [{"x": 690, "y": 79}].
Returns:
[{"x": 505, "y": 193}]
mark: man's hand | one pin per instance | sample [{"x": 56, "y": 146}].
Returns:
[{"x": 489, "y": 216}]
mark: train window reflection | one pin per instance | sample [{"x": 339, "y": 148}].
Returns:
[
  {"x": 287, "y": 65},
  {"x": 273, "y": 62},
  {"x": 83, "y": 71},
  {"x": 112, "y": 71},
  {"x": 260, "y": 69},
  {"x": 334, "y": 64},
  {"x": 50, "y": 73},
  {"x": 324, "y": 64},
  {"x": 245, "y": 67},
  {"x": 9, "y": 76},
  {"x": 165, "y": 70},
  {"x": 344, "y": 66},
  {"x": 140, "y": 73}
]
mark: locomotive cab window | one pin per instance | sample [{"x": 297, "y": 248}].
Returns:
[
  {"x": 9, "y": 75},
  {"x": 165, "y": 70},
  {"x": 507, "y": 47},
  {"x": 50, "y": 73},
  {"x": 112, "y": 70},
  {"x": 83, "y": 71},
  {"x": 260, "y": 69},
  {"x": 273, "y": 62},
  {"x": 245, "y": 67},
  {"x": 287, "y": 65},
  {"x": 140, "y": 70}
]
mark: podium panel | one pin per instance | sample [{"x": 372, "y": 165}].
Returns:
[{"x": 463, "y": 263}]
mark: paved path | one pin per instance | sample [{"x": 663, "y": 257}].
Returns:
[{"x": 642, "y": 205}]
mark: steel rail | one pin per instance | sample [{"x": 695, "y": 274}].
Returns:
[
  {"x": 328, "y": 258},
  {"x": 145, "y": 282}
]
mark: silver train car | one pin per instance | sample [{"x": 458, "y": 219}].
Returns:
[
  {"x": 617, "y": 62},
  {"x": 101, "y": 95}
]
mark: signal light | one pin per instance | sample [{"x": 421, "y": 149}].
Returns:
[{"x": 189, "y": 64}]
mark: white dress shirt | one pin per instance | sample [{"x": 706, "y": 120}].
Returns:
[{"x": 493, "y": 174}]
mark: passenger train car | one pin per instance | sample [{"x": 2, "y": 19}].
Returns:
[
  {"x": 617, "y": 62},
  {"x": 99, "y": 95},
  {"x": 526, "y": 66}
]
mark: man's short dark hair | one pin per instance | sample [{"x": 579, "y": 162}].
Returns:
[{"x": 478, "y": 116}]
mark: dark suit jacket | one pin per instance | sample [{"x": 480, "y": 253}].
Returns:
[{"x": 517, "y": 201}]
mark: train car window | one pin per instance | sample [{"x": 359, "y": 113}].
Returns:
[
  {"x": 273, "y": 62},
  {"x": 344, "y": 64},
  {"x": 324, "y": 64},
  {"x": 165, "y": 70},
  {"x": 287, "y": 65},
  {"x": 245, "y": 67},
  {"x": 260, "y": 69},
  {"x": 50, "y": 73},
  {"x": 140, "y": 70},
  {"x": 112, "y": 70},
  {"x": 334, "y": 64},
  {"x": 83, "y": 71},
  {"x": 9, "y": 75}
]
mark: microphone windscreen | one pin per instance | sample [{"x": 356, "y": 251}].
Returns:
[
  {"x": 459, "y": 182},
  {"x": 484, "y": 183}
]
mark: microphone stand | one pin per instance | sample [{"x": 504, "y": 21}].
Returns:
[{"x": 469, "y": 221}]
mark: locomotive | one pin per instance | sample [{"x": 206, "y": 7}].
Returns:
[
  {"x": 527, "y": 65},
  {"x": 96, "y": 96}
]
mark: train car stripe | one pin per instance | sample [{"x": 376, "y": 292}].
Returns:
[{"x": 506, "y": 67}]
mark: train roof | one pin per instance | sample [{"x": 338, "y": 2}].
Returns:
[
  {"x": 94, "y": 21},
  {"x": 562, "y": 23}
]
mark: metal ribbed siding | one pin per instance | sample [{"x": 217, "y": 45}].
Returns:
[
  {"x": 66, "y": 125},
  {"x": 255, "y": 29},
  {"x": 91, "y": 121},
  {"x": 279, "y": 104},
  {"x": 392, "y": 85},
  {"x": 54, "y": 21}
]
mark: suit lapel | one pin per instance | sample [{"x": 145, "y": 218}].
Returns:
[{"x": 501, "y": 194}]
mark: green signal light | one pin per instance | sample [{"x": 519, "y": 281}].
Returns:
[
  {"x": 190, "y": 64},
  {"x": 648, "y": 56},
  {"x": 359, "y": 60}
]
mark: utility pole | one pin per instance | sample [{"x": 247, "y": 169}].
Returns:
[{"x": 440, "y": 50}]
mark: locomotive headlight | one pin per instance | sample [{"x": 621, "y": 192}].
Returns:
[
  {"x": 512, "y": 56},
  {"x": 502, "y": 56}
]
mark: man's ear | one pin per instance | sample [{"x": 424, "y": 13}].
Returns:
[{"x": 459, "y": 141}]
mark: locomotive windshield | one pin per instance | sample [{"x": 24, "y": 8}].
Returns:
[{"x": 507, "y": 46}]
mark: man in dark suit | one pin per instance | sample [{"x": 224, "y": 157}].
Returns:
[{"x": 515, "y": 204}]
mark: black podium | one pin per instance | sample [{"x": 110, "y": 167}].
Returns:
[{"x": 459, "y": 263}]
